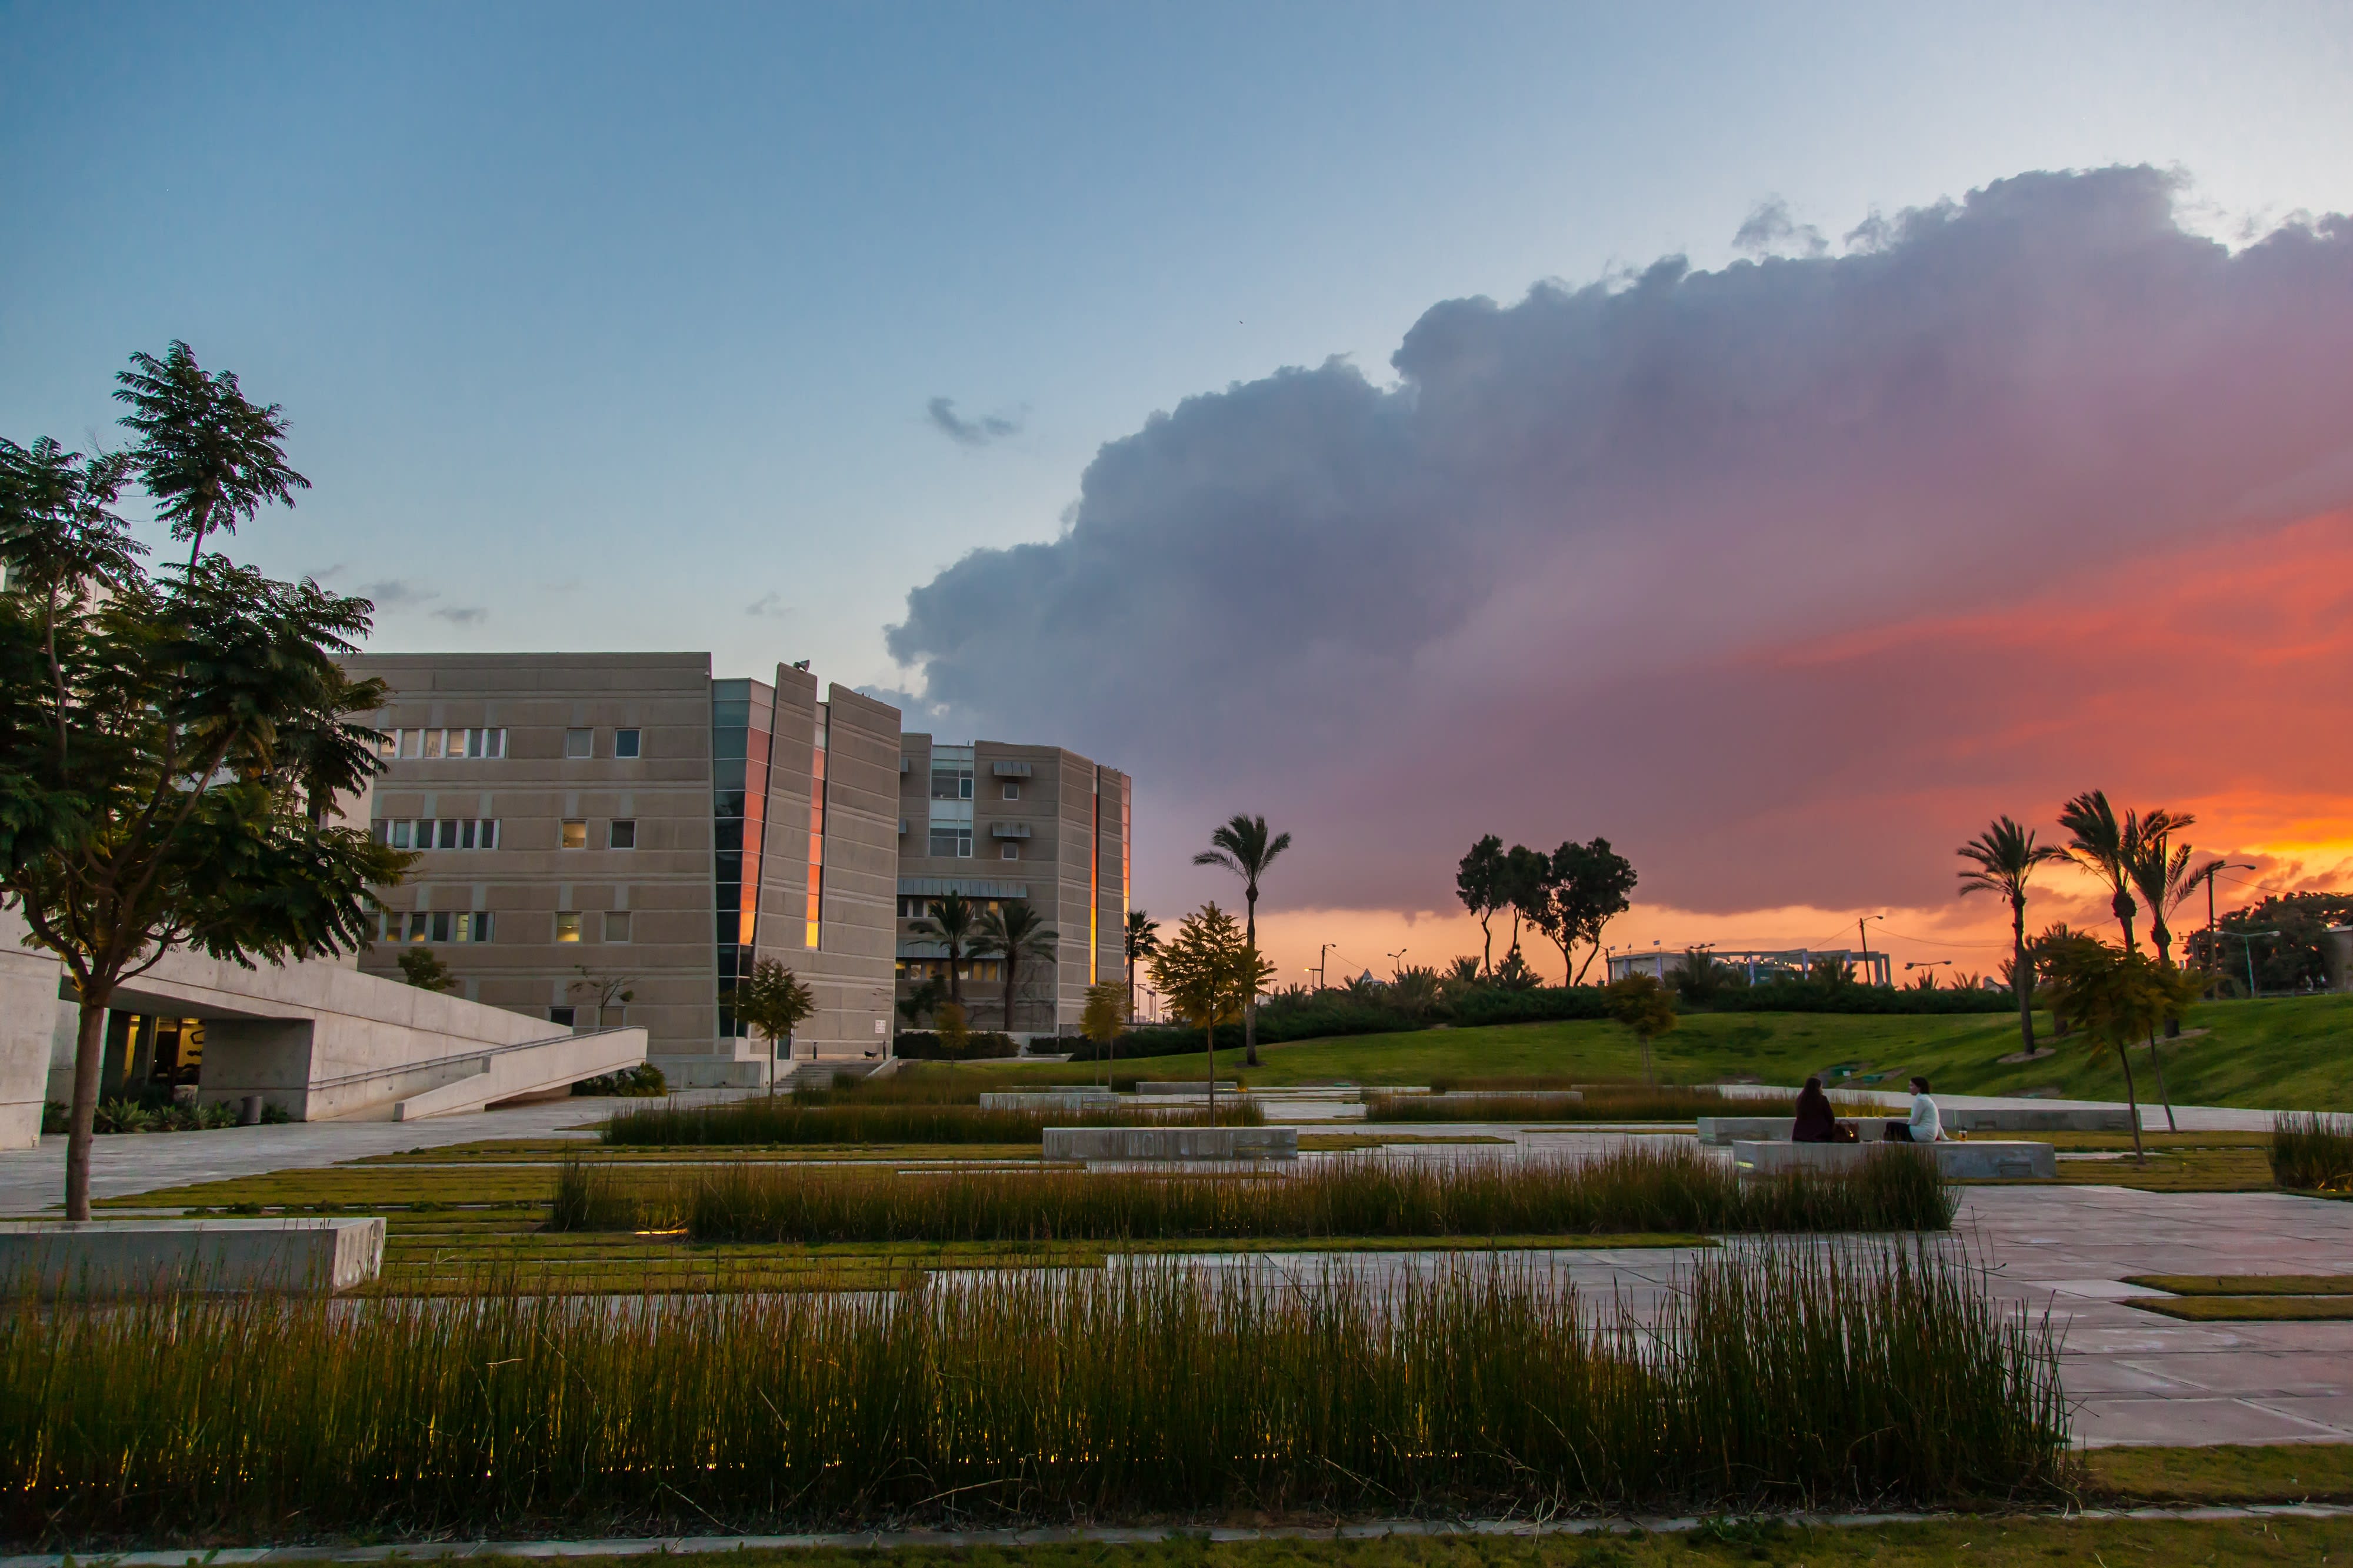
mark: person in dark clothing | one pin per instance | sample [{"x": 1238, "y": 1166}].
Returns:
[{"x": 1817, "y": 1123}]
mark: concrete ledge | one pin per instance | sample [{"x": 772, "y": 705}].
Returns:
[
  {"x": 1184, "y": 1085},
  {"x": 1172, "y": 1143},
  {"x": 143, "y": 1256},
  {"x": 1049, "y": 1099},
  {"x": 1721, "y": 1131},
  {"x": 2022, "y": 1119},
  {"x": 1979, "y": 1160}
]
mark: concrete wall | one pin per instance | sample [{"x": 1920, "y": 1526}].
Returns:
[
  {"x": 29, "y": 1017},
  {"x": 663, "y": 884}
]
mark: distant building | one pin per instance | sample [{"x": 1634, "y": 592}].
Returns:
[{"x": 619, "y": 837}]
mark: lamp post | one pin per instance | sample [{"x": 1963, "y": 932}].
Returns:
[
  {"x": 2254, "y": 992},
  {"x": 1394, "y": 970},
  {"x": 1860, "y": 930},
  {"x": 2212, "y": 944}
]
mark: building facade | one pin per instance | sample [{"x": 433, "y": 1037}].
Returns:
[
  {"x": 617, "y": 838},
  {"x": 998, "y": 822}
]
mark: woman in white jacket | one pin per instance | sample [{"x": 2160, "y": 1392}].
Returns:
[{"x": 1925, "y": 1125}]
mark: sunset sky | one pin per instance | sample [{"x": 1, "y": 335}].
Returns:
[{"x": 1777, "y": 439}]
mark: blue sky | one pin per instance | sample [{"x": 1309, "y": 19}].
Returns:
[
  {"x": 624, "y": 327},
  {"x": 614, "y": 322}
]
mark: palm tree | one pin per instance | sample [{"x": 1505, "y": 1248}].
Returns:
[
  {"x": 1142, "y": 941},
  {"x": 1013, "y": 932},
  {"x": 2097, "y": 842},
  {"x": 2161, "y": 873},
  {"x": 2005, "y": 856},
  {"x": 952, "y": 921},
  {"x": 1242, "y": 845}
]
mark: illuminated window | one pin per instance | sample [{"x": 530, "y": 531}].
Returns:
[
  {"x": 567, "y": 927},
  {"x": 575, "y": 833},
  {"x": 816, "y": 828}
]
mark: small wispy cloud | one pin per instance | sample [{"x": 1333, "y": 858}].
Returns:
[
  {"x": 463, "y": 615},
  {"x": 769, "y": 605},
  {"x": 397, "y": 594},
  {"x": 1770, "y": 231},
  {"x": 965, "y": 432}
]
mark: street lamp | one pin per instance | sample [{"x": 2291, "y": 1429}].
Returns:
[
  {"x": 1393, "y": 960},
  {"x": 2253, "y": 991},
  {"x": 1865, "y": 936}
]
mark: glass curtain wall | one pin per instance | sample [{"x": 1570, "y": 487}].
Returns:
[{"x": 742, "y": 714}]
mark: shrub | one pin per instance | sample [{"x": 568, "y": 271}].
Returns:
[
  {"x": 1596, "y": 1102},
  {"x": 641, "y": 1081},
  {"x": 925, "y": 1046},
  {"x": 1812, "y": 1376},
  {"x": 786, "y": 1120},
  {"x": 2313, "y": 1152},
  {"x": 1677, "y": 1190}
]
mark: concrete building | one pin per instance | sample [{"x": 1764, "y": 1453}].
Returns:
[
  {"x": 998, "y": 822},
  {"x": 614, "y": 838}
]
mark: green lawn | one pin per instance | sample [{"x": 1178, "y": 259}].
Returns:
[{"x": 2291, "y": 1053}]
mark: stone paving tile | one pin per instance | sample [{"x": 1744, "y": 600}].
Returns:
[{"x": 2190, "y": 1421}]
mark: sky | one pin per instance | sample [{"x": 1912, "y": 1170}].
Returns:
[{"x": 1775, "y": 439}]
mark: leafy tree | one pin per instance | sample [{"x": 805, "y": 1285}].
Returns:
[
  {"x": 2119, "y": 996},
  {"x": 1241, "y": 844},
  {"x": 955, "y": 919},
  {"x": 1104, "y": 1017},
  {"x": 773, "y": 1001},
  {"x": 1513, "y": 974},
  {"x": 1643, "y": 1006},
  {"x": 1014, "y": 932},
  {"x": 1522, "y": 885},
  {"x": 920, "y": 999},
  {"x": 422, "y": 968},
  {"x": 1208, "y": 972},
  {"x": 2003, "y": 859},
  {"x": 1583, "y": 888},
  {"x": 1143, "y": 939},
  {"x": 954, "y": 1030},
  {"x": 147, "y": 803},
  {"x": 2293, "y": 959},
  {"x": 1479, "y": 883},
  {"x": 208, "y": 455},
  {"x": 1699, "y": 978}
]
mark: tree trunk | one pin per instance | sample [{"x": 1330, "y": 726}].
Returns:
[
  {"x": 2162, "y": 1092},
  {"x": 2140, "y": 1155},
  {"x": 1211, "y": 1032},
  {"x": 1010, "y": 973},
  {"x": 89, "y": 1057},
  {"x": 2164, "y": 940},
  {"x": 2021, "y": 978},
  {"x": 1249, "y": 1003},
  {"x": 955, "y": 986},
  {"x": 1486, "y": 943}
]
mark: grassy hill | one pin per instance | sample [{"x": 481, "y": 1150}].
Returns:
[{"x": 2290, "y": 1053}]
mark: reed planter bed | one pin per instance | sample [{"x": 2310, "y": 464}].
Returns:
[
  {"x": 1676, "y": 1189},
  {"x": 1817, "y": 1375},
  {"x": 798, "y": 1119}
]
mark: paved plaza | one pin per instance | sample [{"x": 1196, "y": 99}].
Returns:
[{"x": 2134, "y": 1376}]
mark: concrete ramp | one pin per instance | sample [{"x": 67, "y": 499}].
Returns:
[{"x": 519, "y": 1072}]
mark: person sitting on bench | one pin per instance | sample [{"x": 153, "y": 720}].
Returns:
[
  {"x": 1925, "y": 1126},
  {"x": 1817, "y": 1123}
]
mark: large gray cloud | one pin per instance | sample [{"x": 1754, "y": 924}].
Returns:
[{"x": 1514, "y": 589}]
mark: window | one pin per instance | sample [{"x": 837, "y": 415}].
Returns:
[
  {"x": 434, "y": 925},
  {"x": 567, "y": 927},
  {"x": 625, "y": 742},
  {"x": 1009, "y": 852},
  {"x": 575, "y": 833},
  {"x": 442, "y": 743},
  {"x": 560, "y": 1015},
  {"x": 616, "y": 925},
  {"x": 952, "y": 842},
  {"x": 440, "y": 832},
  {"x": 579, "y": 742},
  {"x": 621, "y": 833},
  {"x": 1012, "y": 791},
  {"x": 913, "y": 907}
]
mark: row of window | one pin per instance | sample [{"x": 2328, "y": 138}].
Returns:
[
  {"x": 984, "y": 968},
  {"x": 493, "y": 743},
  {"x": 462, "y": 925},
  {"x": 588, "y": 1018},
  {"x": 434, "y": 925},
  {"x": 443, "y": 744},
  {"x": 621, "y": 833},
  {"x": 918, "y": 907},
  {"x": 956, "y": 844},
  {"x": 440, "y": 832}
]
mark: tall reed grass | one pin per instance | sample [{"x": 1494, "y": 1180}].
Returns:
[
  {"x": 783, "y": 1118},
  {"x": 1816, "y": 1375},
  {"x": 1676, "y": 1190},
  {"x": 2311, "y": 1151}
]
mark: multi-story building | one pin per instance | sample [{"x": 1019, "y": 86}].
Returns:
[
  {"x": 611, "y": 838},
  {"x": 995, "y": 823}
]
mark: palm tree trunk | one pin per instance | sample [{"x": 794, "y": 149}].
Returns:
[
  {"x": 955, "y": 985},
  {"x": 2140, "y": 1155},
  {"x": 2161, "y": 1090},
  {"x": 2158, "y": 934},
  {"x": 2021, "y": 979},
  {"x": 1249, "y": 1003},
  {"x": 1010, "y": 970}
]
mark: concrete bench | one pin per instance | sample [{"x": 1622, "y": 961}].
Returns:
[
  {"x": 1721, "y": 1131},
  {"x": 141, "y": 1256},
  {"x": 2036, "y": 1119},
  {"x": 1172, "y": 1143},
  {"x": 1980, "y": 1160},
  {"x": 1183, "y": 1086},
  {"x": 1049, "y": 1099}
]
